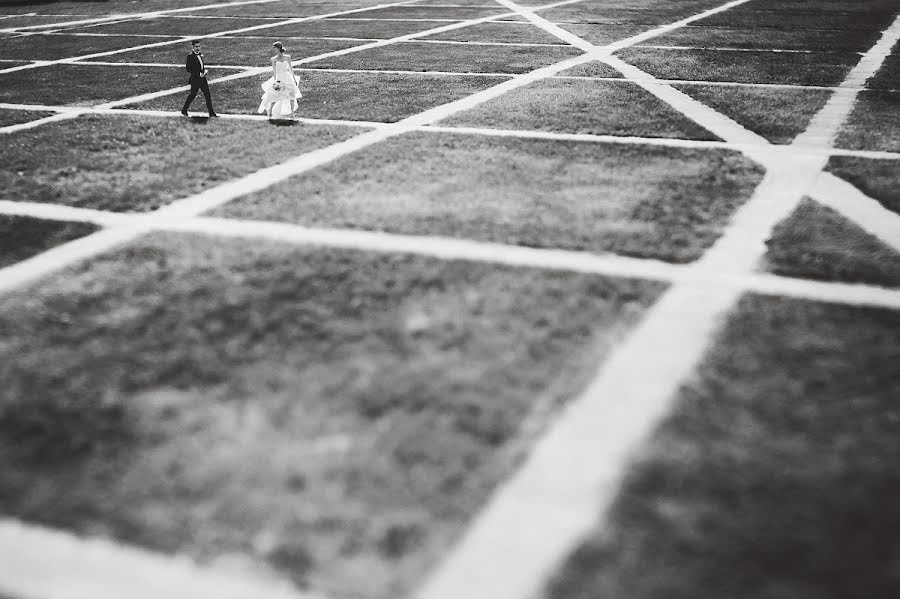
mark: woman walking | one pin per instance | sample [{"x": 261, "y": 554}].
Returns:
[{"x": 280, "y": 91}]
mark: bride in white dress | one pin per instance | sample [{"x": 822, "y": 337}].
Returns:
[{"x": 281, "y": 92}]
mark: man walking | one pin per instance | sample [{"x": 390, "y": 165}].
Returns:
[{"x": 198, "y": 70}]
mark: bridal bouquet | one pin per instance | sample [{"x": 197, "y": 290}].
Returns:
[{"x": 278, "y": 86}]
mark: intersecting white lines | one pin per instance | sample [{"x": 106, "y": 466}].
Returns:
[{"x": 538, "y": 516}]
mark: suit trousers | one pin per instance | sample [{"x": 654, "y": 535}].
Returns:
[{"x": 199, "y": 84}]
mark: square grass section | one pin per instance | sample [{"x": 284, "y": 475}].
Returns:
[
  {"x": 819, "y": 68},
  {"x": 888, "y": 76},
  {"x": 654, "y": 14},
  {"x": 779, "y": 115},
  {"x": 23, "y": 237},
  {"x": 816, "y": 242},
  {"x": 377, "y": 97},
  {"x": 801, "y": 20},
  {"x": 134, "y": 164},
  {"x": 878, "y": 179},
  {"x": 873, "y": 124},
  {"x": 595, "y": 68},
  {"x": 601, "y": 35},
  {"x": 285, "y": 9},
  {"x": 52, "y": 47},
  {"x": 178, "y": 25},
  {"x": 647, "y": 202},
  {"x": 16, "y": 117},
  {"x": 335, "y": 415},
  {"x": 500, "y": 31},
  {"x": 417, "y": 56},
  {"x": 233, "y": 51},
  {"x": 379, "y": 29},
  {"x": 775, "y": 475},
  {"x": 452, "y": 13},
  {"x": 582, "y": 106},
  {"x": 768, "y": 38},
  {"x": 87, "y": 84}
]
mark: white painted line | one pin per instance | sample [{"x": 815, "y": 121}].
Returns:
[
  {"x": 821, "y": 291},
  {"x": 732, "y": 49},
  {"x": 48, "y": 564},
  {"x": 103, "y": 218},
  {"x": 63, "y": 116},
  {"x": 853, "y": 204}
]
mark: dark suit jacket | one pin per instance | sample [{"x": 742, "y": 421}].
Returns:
[{"x": 192, "y": 65}]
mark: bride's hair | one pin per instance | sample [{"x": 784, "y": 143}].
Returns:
[{"x": 278, "y": 45}]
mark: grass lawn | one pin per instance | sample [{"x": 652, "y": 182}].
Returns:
[
  {"x": 52, "y": 47},
  {"x": 655, "y": 203},
  {"x": 775, "y": 476},
  {"x": 601, "y": 35},
  {"x": 799, "y": 20},
  {"x": 873, "y": 124},
  {"x": 594, "y": 68},
  {"x": 878, "y": 179},
  {"x": 348, "y": 96},
  {"x": 417, "y": 56},
  {"x": 176, "y": 25},
  {"x": 102, "y": 8},
  {"x": 234, "y": 51},
  {"x": 335, "y": 415},
  {"x": 779, "y": 115},
  {"x": 888, "y": 76},
  {"x": 133, "y": 164},
  {"x": 817, "y": 243},
  {"x": 14, "y": 117},
  {"x": 769, "y": 38},
  {"x": 23, "y": 237},
  {"x": 582, "y": 106},
  {"x": 86, "y": 84},
  {"x": 453, "y": 13},
  {"x": 820, "y": 68},
  {"x": 382, "y": 29},
  {"x": 821, "y": 6},
  {"x": 502, "y": 31}
]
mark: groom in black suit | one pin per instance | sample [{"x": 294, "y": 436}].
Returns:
[{"x": 196, "y": 67}]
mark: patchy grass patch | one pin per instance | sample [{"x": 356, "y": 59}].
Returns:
[
  {"x": 22, "y": 237},
  {"x": 335, "y": 415},
  {"x": 53, "y": 47},
  {"x": 86, "y": 84},
  {"x": 601, "y": 35},
  {"x": 500, "y": 31},
  {"x": 595, "y": 68},
  {"x": 816, "y": 242},
  {"x": 647, "y": 202},
  {"x": 582, "y": 106},
  {"x": 775, "y": 475},
  {"x": 378, "y": 97},
  {"x": 873, "y": 124},
  {"x": 888, "y": 76},
  {"x": 134, "y": 164},
  {"x": 820, "y": 68},
  {"x": 413, "y": 56},
  {"x": 235, "y": 51},
  {"x": 452, "y": 13},
  {"x": 762, "y": 38},
  {"x": 15, "y": 117},
  {"x": 381, "y": 29},
  {"x": 658, "y": 13},
  {"x": 176, "y": 25},
  {"x": 779, "y": 115},
  {"x": 870, "y": 20},
  {"x": 878, "y": 179}
]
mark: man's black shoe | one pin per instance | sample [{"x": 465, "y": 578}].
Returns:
[
  {"x": 184, "y": 113},
  {"x": 213, "y": 115}
]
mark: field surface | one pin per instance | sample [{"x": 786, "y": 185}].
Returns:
[{"x": 529, "y": 299}]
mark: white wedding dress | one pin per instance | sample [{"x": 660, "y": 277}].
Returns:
[{"x": 285, "y": 99}]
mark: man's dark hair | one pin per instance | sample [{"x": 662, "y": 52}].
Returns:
[{"x": 195, "y": 42}]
